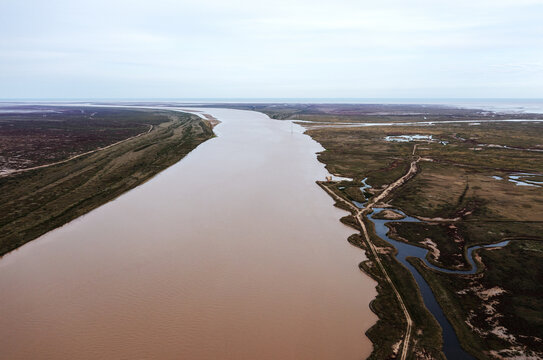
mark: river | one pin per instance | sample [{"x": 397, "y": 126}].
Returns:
[{"x": 232, "y": 253}]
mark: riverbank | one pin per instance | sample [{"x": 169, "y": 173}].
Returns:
[
  {"x": 36, "y": 200},
  {"x": 405, "y": 328}
]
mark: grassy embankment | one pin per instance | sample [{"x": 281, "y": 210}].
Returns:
[
  {"x": 496, "y": 312},
  {"x": 37, "y": 201}
]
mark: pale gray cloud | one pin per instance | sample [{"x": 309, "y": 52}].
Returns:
[{"x": 296, "y": 48}]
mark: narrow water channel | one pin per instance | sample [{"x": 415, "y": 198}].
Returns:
[
  {"x": 232, "y": 253},
  {"x": 451, "y": 345}
]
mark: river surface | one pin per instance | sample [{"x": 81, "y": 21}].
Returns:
[{"x": 232, "y": 253}]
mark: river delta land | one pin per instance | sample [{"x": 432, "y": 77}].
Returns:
[
  {"x": 478, "y": 181},
  {"x": 424, "y": 187}
]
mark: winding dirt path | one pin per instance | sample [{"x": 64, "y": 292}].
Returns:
[
  {"x": 390, "y": 188},
  {"x": 359, "y": 215}
]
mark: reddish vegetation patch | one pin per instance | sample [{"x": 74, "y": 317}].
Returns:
[{"x": 45, "y": 136}]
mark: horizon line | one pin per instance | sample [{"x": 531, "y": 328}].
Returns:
[{"x": 258, "y": 98}]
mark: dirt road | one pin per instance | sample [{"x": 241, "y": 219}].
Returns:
[{"x": 359, "y": 214}]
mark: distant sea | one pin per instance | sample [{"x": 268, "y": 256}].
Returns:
[{"x": 490, "y": 104}]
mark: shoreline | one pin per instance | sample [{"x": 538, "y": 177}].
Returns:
[
  {"x": 89, "y": 196},
  {"x": 372, "y": 253}
]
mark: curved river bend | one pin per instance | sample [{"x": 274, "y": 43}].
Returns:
[
  {"x": 232, "y": 253},
  {"x": 451, "y": 345}
]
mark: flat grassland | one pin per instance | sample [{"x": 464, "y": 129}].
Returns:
[
  {"x": 477, "y": 183},
  {"x": 131, "y": 147}
]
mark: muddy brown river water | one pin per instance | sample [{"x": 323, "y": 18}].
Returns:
[{"x": 232, "y": 253}]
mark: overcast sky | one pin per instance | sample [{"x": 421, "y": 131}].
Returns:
[{"x": 292, "y": 48}]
